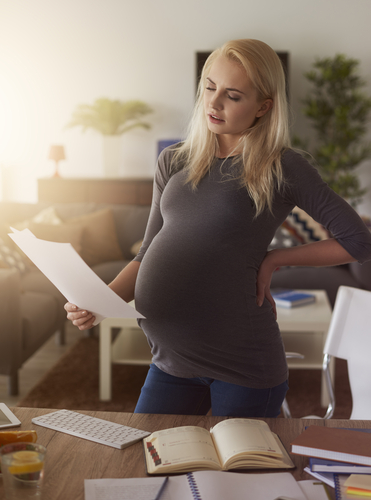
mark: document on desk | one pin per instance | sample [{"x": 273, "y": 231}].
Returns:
[
  {"x": 217, "y": 485},
  {"x": 123, "y": 489},
  {"x": 64, "y": 267}
]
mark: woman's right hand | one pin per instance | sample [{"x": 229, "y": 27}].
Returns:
[{"x": 80, "y": 317}]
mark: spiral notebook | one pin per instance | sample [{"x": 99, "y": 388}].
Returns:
[
  {"x": 340, "y": 489},
  {"x": 339, "y": 479},
  {"x": 216, "y": 485}
]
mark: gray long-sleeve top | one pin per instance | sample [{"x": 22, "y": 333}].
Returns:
[{"x": 202, "y": 249}]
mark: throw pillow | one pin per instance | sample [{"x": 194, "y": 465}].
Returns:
[
  {"x": 4, "y": 231},
  {"x": 60, "y": 233},
  {"x": 283, "y": 239},
  {"x": 304, "y": 228},
  {"x": 46, "y": 216},
  {"x": 136, "y": 247},
  {"x": 11, "y": 258},
  {"x": 99, "y": 237},
  {"x": 47, "y": 225}
]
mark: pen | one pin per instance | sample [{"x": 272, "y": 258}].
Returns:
[{"x": 161, "y": 490}]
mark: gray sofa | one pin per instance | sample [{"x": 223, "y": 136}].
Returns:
[
  {"x": 31, "y": 308},
  {"x": 324, "y": 278}
]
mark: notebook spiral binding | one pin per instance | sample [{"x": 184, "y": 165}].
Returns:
[
  {"x": 338, "y": 494},
  {"x": 193, "y": 486}
]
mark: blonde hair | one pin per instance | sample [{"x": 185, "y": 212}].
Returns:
[{"x": 263, "y": 144}]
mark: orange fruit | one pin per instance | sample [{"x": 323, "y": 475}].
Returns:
[
  {"x": 7, "y": 437},
  {"x": 25, "y": 462}
]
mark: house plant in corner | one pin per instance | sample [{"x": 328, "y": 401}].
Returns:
[
  {"x": 111, "y": 118},
  {"x": 339, "y": 113}
]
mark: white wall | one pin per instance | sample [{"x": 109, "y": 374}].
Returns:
[{"x": 56, "y": 54}]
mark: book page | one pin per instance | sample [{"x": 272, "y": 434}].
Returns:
[
  {"x": 216, "y": 485},
  {"x": 171, "y": 448},
  {"x": 242, "y": 435}
]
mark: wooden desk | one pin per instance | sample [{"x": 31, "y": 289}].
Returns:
[{"x": 70, "y": 460}]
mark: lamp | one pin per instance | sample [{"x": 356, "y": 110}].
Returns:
[{"x": 56, "y": 153}]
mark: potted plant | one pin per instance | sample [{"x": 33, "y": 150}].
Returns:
[
  {"x": 339, "y": 112},
  {"x": 111, "y": 118}
]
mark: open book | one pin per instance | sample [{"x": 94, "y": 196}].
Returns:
[{"x": 238, "y": 443}]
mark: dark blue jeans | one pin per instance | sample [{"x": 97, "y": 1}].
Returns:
[{"x": 164, "y": 393}]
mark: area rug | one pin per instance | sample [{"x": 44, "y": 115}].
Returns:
[{"x": 73, "y": 384}]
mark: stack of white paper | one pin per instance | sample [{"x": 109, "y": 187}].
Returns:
[{"x": 63, "y": 266}]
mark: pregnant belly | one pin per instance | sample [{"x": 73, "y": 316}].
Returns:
[
  {"x": 178, "y": 280},
  {"x": 168, "y": 282}
]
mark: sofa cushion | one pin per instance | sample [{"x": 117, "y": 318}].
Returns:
[
  {"x": 47, "y": 225},
  {"x": 40, "y": 320},
  {"x": 362, "y": 274},
  {"x": 35, "y": 281},
  {"x": 12, "y": 211},
  {"x": 107, "y": 271},
  {"x": 11, "y": 258},
  {"x": 131, "y": 224},
  {"x": 283, "y": 239},
  {"x": 45, "y": 216},
  {"x": 61, "y": 233},
  {"x": 99, "y": 239},
  {"x": 134, "y": 250},
  {"x": 304, "y": 228}
]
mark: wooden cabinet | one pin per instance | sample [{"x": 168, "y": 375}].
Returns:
[{"x": 127, "y": 191}]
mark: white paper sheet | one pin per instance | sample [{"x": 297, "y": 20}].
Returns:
[
  {"x": 64, "y": 267},
  {"x": 314, "y": 490},
  {"x": 239, "y": 487},
  {"x": 123, "y": 489}
]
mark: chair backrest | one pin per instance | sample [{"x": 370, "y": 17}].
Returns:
[{"x": 349, "y": 337}]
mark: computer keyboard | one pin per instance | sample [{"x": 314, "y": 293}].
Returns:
[{"x": 91, "y": 428}]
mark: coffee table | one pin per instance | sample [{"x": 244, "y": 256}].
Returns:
[{"x": 304, "y": 330}]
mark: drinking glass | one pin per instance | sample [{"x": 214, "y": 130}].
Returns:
[{"x": 22, "y": 466}]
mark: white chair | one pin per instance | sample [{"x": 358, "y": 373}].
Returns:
[{"x": 349, "y": 337}]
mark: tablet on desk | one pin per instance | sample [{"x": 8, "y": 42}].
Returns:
[{"x": 7, "y": 417}]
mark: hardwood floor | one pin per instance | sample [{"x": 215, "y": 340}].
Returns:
[{"x": 35, "y": 368}]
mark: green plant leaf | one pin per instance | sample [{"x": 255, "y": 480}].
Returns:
[
  {"x": 339, "y": 113},
  {"x": 110, "y": 117}
]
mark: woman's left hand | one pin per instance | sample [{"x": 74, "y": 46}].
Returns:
[{"x": 263, "y": 281}]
